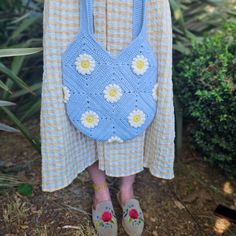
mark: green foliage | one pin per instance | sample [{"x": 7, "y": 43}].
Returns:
[
  {"x": 205, "y": 84},
  {"x": 21, "y": 64},
  {"x": 192, "y": 19},
  {"x": 9, "y": 181},
  {"x": 25, "y": 189},
  {"x": 19, "y": 21}
]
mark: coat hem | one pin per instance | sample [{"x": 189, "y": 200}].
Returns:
[
  {"x": 44, "y": 189},
  {"x": 159, "y": 174},
  {"x": 153, "y": 171}
]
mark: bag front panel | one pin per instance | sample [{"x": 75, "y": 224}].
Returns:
[{"x": 92, "y": 107}]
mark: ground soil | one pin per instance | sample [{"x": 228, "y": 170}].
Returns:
[{"x": 181, "y": 206}]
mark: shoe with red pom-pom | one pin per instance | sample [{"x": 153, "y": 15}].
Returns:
[
  {"x": 132, "y": 217},
  {"x": 104, "y": 219}
]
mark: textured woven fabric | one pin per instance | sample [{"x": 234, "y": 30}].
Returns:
[
  {"x": 110, "y": 98},
  {"x": 65, "y": 151}
]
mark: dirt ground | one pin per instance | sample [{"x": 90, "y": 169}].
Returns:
[{"x": 181, "y": 206}]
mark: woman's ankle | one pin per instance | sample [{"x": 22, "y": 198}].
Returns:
[
  {"x": 101, "y": 193},
  {"x": 126, "y": 188},
  {"x": 126, "y": 193}
]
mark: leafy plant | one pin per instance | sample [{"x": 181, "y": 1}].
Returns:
[
  {"x": 205, "y": 84},
  {"x": 192, "y": 19},
  {"x": 5, "y": 127},
  {"x": 20, "y": 40},
  {"x": 25, "y": 189}
]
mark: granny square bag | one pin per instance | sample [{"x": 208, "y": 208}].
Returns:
[{"x": 110, "y": 98}]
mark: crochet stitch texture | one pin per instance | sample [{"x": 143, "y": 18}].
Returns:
[{"x": 110, "y": 96}]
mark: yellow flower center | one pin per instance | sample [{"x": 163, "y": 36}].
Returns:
[
  {"x": 85, "y": 64},
  {"x": 136, "y": 118},
  {"x": 140, "y": 64},
  {"x": 90, "y": 119},
  {"x": 113, "y": 92}
]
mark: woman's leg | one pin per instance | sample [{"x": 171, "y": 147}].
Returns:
[
  {"x": 98, "y": 178},
  {"x": 126, "y": 188}
]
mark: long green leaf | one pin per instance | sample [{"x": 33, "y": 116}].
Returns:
[
  {"x": 4, "y": 87},
  {"x": 33, "y": 110},
  {"x": 7, "y": 128},
  {"x": 12, "y": 52},
  {"x": 14, "y": 77},
  {"x": 16, "y": 66},
  {"x": 26, "y": 23},
  {"x": 6, "y": 103},
  {"x": 19, "y": 19},
  {"x": 175, "y": 5},
  {"x": 23, "y": 129},
  {"x": 22, "y": 92}
]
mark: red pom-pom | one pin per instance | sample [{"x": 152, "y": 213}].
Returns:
[
  {"x": 106, "y": 216},
  {"x": 133, "y": 213}
]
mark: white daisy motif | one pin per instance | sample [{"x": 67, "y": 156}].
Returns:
[
  {"x": 112, "y": 93},
  {"x": 136, "y": 118},
  {"x": 85, "y": 64},
  {"x": 115, "y": 139},
  {"x": 140, "y": 65},
  {"x": 155, "y": 92},
  {"x": 66, "y": 93},
  {"x": 89, "y": 119}
]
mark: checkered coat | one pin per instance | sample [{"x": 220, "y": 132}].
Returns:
[{"x": 66, "y": 152}]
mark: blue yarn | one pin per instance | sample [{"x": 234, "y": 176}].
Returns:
[{"x": 86, "y": 90}]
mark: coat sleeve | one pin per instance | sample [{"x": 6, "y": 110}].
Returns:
[
  {"x": 164, "y": 56},
  {"x": 159, "y": 151}
]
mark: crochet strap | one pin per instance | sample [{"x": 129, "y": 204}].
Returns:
[
  {"x": 86, "y": 15},
  {"x": 139, "y": 17}
]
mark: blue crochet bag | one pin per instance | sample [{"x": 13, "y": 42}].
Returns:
[{"x": 110, "y": 98}]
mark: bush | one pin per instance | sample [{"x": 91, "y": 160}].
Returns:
[
  {"x": 205, "y": 84},
  {"x": 193, "y": 19}
]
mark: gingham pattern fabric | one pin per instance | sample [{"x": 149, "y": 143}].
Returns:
[{"x": 65, "y": 151}]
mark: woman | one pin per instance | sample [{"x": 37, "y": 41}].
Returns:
[{"x": 66, "y": 151}]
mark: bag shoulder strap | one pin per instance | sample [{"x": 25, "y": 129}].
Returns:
[{"x": 86, "y": 15}]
